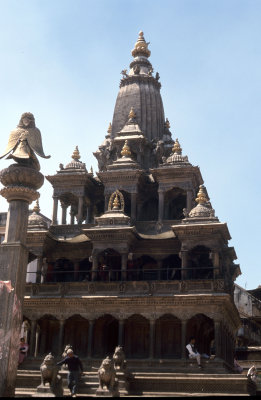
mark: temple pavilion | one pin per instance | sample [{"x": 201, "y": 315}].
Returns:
[{"x": 139, "y": 257}]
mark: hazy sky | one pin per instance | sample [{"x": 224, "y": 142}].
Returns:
[{"x": 61, "y": 60}]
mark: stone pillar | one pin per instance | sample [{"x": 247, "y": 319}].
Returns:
[
  {"x": 106, "y": 201},
  {"x": 80, "y": 209},
  {"x": 218, "y": 339},
  {"x": 184, "y": 264},
  {"x": 189, "y": 200},
  {"x": 183, "y": 338},
  {"x": 152, "y": 338},
  {"x": 72, "y": 216},
  {"x": 37, "y": 335},
  {"x": 55, "y": 209},
  {"x": 94, "y": 267},
  {"x": 124, "y": 260},
  {"x": 133, "y": 206},
  {"x": 76, "y": 271},
  {"x": 90, "y": 332},
  {"x": 160, "y": 262},
  {"x": 20, "y": 185},
  {"x": 120, "y": 334},
  {"x": 64, "y": 212},
  {"x": 39, "y": 269},
  {"x": 61, "y": 334},
  {"x": 215, "y": 261},
  {"x": 32, "y": 337},
  {"x": 161, "y": 205}
]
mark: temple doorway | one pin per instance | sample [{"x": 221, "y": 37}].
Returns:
[
  {"x": 49, "y": 335},
  {"x": 105, "y": 336},
  {"x": 76, "y": 334},
  {"x": 136, "y": 337},
  {"x": 202, "y": 328},
  {"x": 168, "y": 337}
]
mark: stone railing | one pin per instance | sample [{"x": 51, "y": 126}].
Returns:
[{"x": 124, "y": 288}]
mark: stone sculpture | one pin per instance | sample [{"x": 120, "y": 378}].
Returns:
[
  {"x": 119, "y": 358},
  {"x": 107, "y": 379},
  {"x": 24, "y": 141},
  {"x": 49, "y": 374}
]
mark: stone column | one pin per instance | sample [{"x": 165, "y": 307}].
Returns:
[
  {"x": 32, "y": 337},
  {"x": 72, "y": 216},
  {"x": 160, "y": 262},
  {"x": 39, "y": 269},
  {"x": 120, "y": 333},
  {"x": 189, "y": 200},
  {"x": 133, "y": 206},
  {"x": 161, "y": 205},
  {"x": 106, "y": 201},
  {"x": 94, "y": 267},
  {"x": 55, "y": 209},
  {"x": 64, "y": 212},
  {"x": 184, "y": 264},
  {"x": 124, "y": 259},
  {"x": 61, "y": 334},
  {"x": 152, "y": 338},
  {"x": 218, "y": 339},
  {"x": 37, "y": 335},
  {"x": 215, "y": 261},
  {"x": 183, "y": 338},
  {"x": 76, "y": 271},
  {"x": 20, "y": 189},
  {"x": 90, "y": 332},
  {"x": 80, "y": 209}
]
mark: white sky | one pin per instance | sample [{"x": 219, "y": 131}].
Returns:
[{"x": 61, "y": 60}]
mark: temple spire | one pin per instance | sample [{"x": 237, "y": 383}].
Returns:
[
  {"x": 76, "y": 154},
  {"x": 141, "y": 47},
  {"x": 176, "y": 148},
  {"x": 36, "y": 208},
  {"x": 126, "y": 150},
  {"x": 201, "y": 197}
]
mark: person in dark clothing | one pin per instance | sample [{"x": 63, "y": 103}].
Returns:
[{"x": 74, "y": 369}]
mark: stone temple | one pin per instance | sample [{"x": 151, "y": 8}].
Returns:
[{"x": 139, "y": 257}]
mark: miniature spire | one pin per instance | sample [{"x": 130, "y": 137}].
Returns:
[
  {"x": 36, "y": 208},
  {"x": 116, "y": 203},
  {"x": 109, "y": 128},
  {"x": 167, "y": 124},
  {"x": 132, "y": 114},
  {"x": 201, "y": 197},
  {"x": 91, "y": 170},
  {"x": 176, "y": 148},
  {"x": 126, "y": 150},
  {"x": 141, "y": 47},
  {"x": 76, "y": 154}
]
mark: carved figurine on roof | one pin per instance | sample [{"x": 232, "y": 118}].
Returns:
[
  {"x": 106, "y": 153},
  {"x": 24, "y": 142}
]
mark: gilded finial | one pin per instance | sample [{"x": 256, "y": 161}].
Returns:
[
  {"x": 36, "y": 208},
  {"x": 167, "y": 124},
  {"x": 132, "y": 113},
  {"x": 91, "y": 170},
  {"x": 76, "y": 154},
  {"x": 126, "y": 150},
  {"x": 116, "y": 203},
  {"x": 201, "y": 197},
  {"x": 109, "y": 128},
  {"x": 141, "y": 47},
  {"x": 176, "y": 148}
]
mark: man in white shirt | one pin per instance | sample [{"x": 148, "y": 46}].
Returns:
[{"x": 193, "y": 353}]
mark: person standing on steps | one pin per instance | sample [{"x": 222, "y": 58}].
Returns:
[{"x": 75, "y": 368}]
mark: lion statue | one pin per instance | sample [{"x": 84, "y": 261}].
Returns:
[
  {"x": 49, "y": 373},
  {"x": 107, "y": 375},
  {"x": 119, "y": 358}
]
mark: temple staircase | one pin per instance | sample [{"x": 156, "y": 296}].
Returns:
[{"x": 148, "y": 380}]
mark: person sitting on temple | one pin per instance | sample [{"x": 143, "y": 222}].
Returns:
[
  {"x": 74, "y": 369},
  {"x": 193, "y": 353},
  {"x": 237, "y": 367},
  {"x": 23, "y": 349}
]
